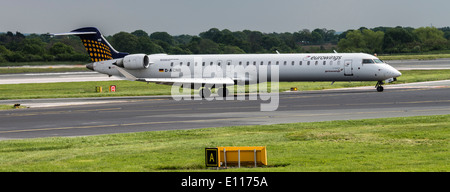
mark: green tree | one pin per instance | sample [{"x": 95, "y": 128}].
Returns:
[
  {"x": 398, "y": 40},
  {"x": 430, "y": 38},
  {"x": 362, "y": 41},
  {"x": 124, "y": 41},
  {"x": 373, "y": 40},
  {"x": 353, "y": 42},
  {"x": 146, "y": 45},
  {"x": 4, "y": 54},
  {"x": 60, "y": 48},
  {"x": 213, "y": 34},
  {"x": 230, "y": 49},
  {"x": 162, "y": 36},
  {"x": 140, "y": 33}
]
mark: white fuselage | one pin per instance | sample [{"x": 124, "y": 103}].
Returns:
[{"x": 291, "y": 67}]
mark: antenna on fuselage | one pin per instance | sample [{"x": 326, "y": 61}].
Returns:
[
  {"x": 335, "y": 51},
  {"x": 277, "y": 51}
]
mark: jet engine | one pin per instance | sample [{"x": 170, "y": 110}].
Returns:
[{"x": 134, "y": 61}]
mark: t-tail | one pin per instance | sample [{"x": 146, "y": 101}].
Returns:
[{"x": 96, "y": 45}]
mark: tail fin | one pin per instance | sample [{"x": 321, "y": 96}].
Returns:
[{"x": 96, "y": 45}]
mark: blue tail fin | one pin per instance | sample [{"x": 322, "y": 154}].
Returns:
[{"x": 96, "y": 45}]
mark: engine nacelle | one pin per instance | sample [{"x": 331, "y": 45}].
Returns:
[{"x": 135, "y": 61}]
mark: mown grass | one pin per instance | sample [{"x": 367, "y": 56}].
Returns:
[
  {"x": 9, "y": 107},
  {"x": 129, "y": 88},
  {"x": 418, "y": 57},
  {"x": 389, "y": 144}
]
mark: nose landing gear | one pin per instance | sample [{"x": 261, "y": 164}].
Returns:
[{"x": 379, "y": 86}]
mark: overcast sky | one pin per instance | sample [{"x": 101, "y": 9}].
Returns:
[{"x": 194, "y": 16}]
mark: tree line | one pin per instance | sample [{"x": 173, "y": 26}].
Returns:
[{"x": 17, "y": 47}]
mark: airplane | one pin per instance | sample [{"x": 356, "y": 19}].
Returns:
[{"x": 166, "y": 69}]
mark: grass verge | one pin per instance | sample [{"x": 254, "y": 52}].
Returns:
[
  {"x": 418, "y": 57},
  {"x": 389, "y": 144}
]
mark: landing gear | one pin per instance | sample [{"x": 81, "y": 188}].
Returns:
[
  {"x": 205, "y": 92},
  {"x": 223, "y": 92},
  {"x": 379, "y": 86}
]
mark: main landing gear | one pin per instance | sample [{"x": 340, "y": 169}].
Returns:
[
  {"x": 379, "y": 86},
  {"x": 205, "y": 92}
]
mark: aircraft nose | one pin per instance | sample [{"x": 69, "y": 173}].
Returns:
[
  {"x": 90, "y": 66},
  {"x": 396, "y": 73}
]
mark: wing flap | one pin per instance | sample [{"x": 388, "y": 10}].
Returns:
[{"x": 209, "y": 81}]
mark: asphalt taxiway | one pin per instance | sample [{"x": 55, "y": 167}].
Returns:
[{"x": 94, "y": 116}]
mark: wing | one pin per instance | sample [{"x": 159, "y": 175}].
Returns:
[{"x": 171, "y": 81}]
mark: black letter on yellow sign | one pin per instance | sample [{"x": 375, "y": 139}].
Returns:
[{"x": 212, "y": 158}]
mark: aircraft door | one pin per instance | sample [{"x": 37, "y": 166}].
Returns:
[
  {"x": 219, "y": 72},
  {"x": 348, "y": 68},
  {"x": 229, "y": 69}
]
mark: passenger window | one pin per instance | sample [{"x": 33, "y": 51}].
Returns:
[
  {"x": 293, "y": 62},
  {"x": 188, "y": 64},
  {"x": 324, "y": 62},
  {"x": 309, "y": 62},
  {"x": 317, "y": 62},
  {"x": 300, "y": 63}
]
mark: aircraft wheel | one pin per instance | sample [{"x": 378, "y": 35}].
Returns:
[
  {"x": 205, "y": 92},
  {"x": 380, "y": 88},
  {"x": 223, "y": 92}
]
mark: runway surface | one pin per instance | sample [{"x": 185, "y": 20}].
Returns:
[{"x": 137, "y": 114}]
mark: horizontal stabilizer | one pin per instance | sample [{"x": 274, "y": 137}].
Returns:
[{"x": 74, "y": 33}]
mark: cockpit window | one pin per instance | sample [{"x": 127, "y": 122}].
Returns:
[
  {"x": 378, "y": 61},
  {"x": 367, "y": 61}
]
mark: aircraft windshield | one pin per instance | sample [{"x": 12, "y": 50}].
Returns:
[
  {"x": 372, "y": 61},
  {"x": 378, "y": 61},
  {"x": 367, "y": 61}
]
